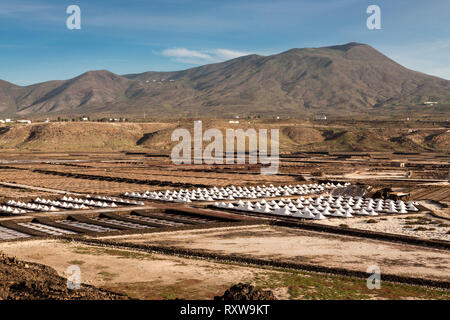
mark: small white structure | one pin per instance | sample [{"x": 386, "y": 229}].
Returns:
[
  {"x": 24, "y": 121},
  {"x": 85, "y": 119}
]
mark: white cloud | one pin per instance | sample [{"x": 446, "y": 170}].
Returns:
[
  {"x": 203, "y": 56},
  {"x": 7, "y": 9},
  {"x": 186, "y": 53}
]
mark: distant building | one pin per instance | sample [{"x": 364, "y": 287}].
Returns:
[
  {"x": 430, "y": 103},
  {"x": 233, "y": 121},
  {"x": 24, "y": 121},
  {"x": 85, "y": 119},
  {"x": 321, "y": 117}
]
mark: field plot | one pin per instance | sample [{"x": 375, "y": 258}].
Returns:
[
  {"x": 21, "y": 194},
  {"x": 432, "y": 192},
  {"x": 111, "y": 221},
  {"x": 423, "y": 226},
  {"x": 167, "y": 172},
  {"x": 195, "y": 230},
  {"x": 67, "y": 184},
  {"x": 285, "y": 244},
  {"x": 157, "y": 276}
]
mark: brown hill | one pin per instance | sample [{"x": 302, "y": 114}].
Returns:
[
  {"x": 156, "y": 137},
  {"x": 86, "y": 93},
  {"x": 348, "y": 79},
  {"x": 8, "y": 92}
]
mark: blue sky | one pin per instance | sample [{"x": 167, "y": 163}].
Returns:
[{"x": 161, "y": 35}]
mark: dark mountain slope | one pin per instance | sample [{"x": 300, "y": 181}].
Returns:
[{"x": 351, "y": 78}]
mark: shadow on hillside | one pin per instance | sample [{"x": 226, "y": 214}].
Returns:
[
  {"x": 4, "y": 130},
  {"x": 146, "y": 137}
]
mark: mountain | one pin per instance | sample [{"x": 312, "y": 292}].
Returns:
[
  {"x": 86, "y": 93},
  {"x": 8, "y": 92},
  {"x": 345, "y": 79}
]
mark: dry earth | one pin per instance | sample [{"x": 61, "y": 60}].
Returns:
[{"x": 284, "y": 244}]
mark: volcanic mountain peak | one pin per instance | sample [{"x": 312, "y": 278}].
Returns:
[
  {"x": 350, "y": 78},
  {"x": 348, "y": 46}
]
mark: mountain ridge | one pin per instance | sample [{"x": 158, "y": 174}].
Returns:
[{"x": 353, "y": 78}]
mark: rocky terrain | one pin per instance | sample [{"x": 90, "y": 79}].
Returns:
[
  {"x": 28, "y": 281},
  {"x": 243, "y": 291}
]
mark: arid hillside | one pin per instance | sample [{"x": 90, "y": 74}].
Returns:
[{"x": 295, "y": 136}]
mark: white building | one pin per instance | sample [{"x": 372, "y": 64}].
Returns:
[{"x": 24, "y": 121}]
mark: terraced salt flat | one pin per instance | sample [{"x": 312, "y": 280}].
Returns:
[
  {"x": 158, "y": 221},
  {"x": 65, "y": 203},
  {"x": 9, "y": 234},
  {"x": 122, "y": 223},
  {"x": 184, "y": 218},
  {"x": 233, "y": 192},
  {"x": 46, "y": 229},
  {"x": 322, "y": 208},
  {"x": 12, "y": 210},
  {"x": 87, "y": 226},
  {"x": 102, "y": 202}
]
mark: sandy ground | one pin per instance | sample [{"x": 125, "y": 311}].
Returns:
[
  {"x": 372, "y": 175},
  {"x": 437, "y": 229},
  {"x": 438, "y": 209},
  {"x": 141, "y": 275},
  {"x": 156, "y": 276},
  {"x": 331, "y": 250}
]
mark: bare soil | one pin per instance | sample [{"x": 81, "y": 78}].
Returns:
[{"x": 331, "y": 250}]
